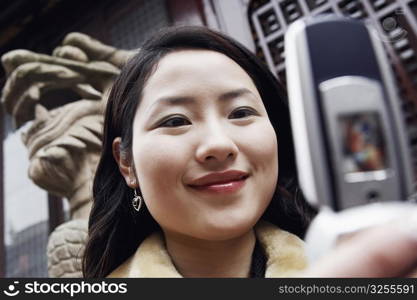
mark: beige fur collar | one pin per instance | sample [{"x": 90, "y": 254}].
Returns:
[{"x": 284, "y": 252}]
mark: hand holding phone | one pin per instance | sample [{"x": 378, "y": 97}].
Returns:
[{"x": 352, "y": 152}]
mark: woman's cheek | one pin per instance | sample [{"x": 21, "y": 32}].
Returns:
[
  {"x": 262, "y": 147},
  {"x": 159, "y": 163}
]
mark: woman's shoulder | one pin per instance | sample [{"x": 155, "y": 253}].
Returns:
[
  {"x": 284, "y": 251},
  {"x": 151, "y": 259}
]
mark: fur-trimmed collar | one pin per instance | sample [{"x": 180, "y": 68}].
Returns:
[{"x": 284, "y": 252}]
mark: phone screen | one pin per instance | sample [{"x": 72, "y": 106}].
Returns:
[{"x": 363, "y": 144}]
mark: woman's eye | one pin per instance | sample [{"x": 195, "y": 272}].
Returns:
[
  {"x": 242, "y": 113},
  {"x": 175, "y": 122}
]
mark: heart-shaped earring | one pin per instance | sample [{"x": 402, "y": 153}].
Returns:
[{"x": 137, "y": 201}]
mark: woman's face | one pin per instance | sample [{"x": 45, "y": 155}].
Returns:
[{"x": 201, "y": 114}]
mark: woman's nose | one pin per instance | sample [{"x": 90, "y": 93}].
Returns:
[{"x": 216, "y": 145}]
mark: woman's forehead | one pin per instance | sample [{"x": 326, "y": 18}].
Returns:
[
  {"x": 190, "y": 71},
  {"x": 194, "y": 57}
]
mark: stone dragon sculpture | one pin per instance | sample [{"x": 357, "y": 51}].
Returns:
[{"x": 61, "y": 98}]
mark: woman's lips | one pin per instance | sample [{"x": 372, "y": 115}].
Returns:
[{"x": 221, "y": 188}]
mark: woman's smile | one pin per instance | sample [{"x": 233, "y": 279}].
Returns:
[
  {"x": 220, "y": 188},
  {"x": 221, "y": 183}
]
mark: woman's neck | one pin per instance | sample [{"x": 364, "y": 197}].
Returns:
[{"x": 201, "y": 258}]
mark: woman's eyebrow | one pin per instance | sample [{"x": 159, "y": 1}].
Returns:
[
  {"x": 183, "y": 100},
  {"x": 168, "y": 101},
  {"x": 174, "y": 100},
  {"x": 235, "y": 93}
]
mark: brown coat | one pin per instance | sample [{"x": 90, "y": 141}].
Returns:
[{"x": 284, "y": 252}]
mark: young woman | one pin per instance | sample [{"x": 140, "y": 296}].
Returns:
[
  {"x": 199, "y": 130},
  {"x": 197, "y": 175}
]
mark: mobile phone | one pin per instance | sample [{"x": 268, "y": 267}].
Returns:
[{"x": 350, "y": 138}]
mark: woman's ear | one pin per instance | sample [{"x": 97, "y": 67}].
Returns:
[{"x": 125, "y": 164}]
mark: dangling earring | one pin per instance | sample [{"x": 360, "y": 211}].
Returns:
[{"x": 137, "y": 201}]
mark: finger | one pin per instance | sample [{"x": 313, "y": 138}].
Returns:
[
  {"x": 28, "y": 107},
  {"x": 96, "y": 50},
  {"x": 62, "y": 127},
  {"x": 24, "y": 110},
  {"x": 57, "y": 70},
  {"x": 385, "y": 251},
  {"x": 70, "y": 52},
  {"x": 13, "y": 59},
  {"x": 28, "y": 74},
  {"x": 86, "y": 91},
  {"x": 82, "y": 131}
]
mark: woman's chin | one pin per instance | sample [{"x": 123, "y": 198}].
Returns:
[{"x": 225, "y": 230}]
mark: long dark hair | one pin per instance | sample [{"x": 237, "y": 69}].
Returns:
[{"x": 114, "y": 230}]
